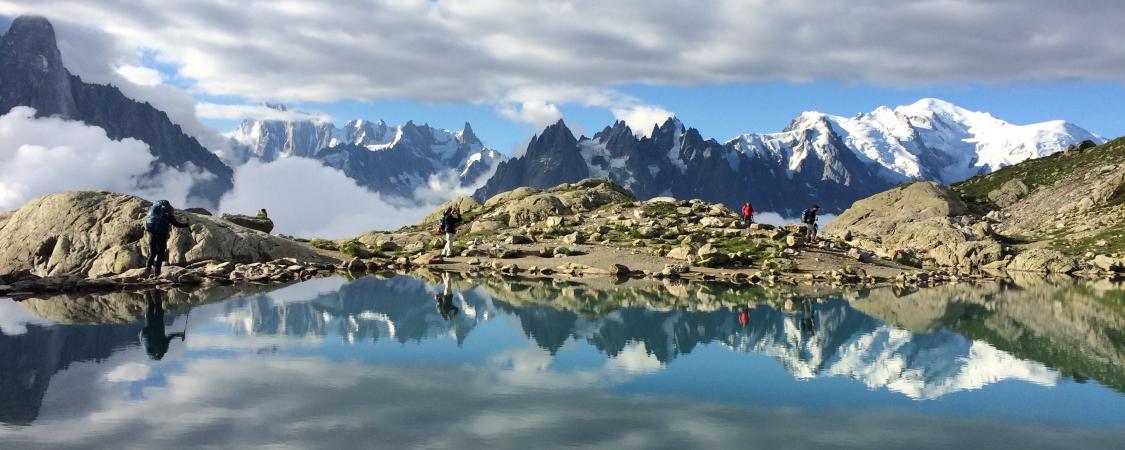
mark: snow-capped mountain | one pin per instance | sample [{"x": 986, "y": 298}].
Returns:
[
  {"x": 930, "y": 139},
  {"x": 817, "y": 158},
  {"x": 677, "y": 161},
  {"x": 393, "y": 160}
]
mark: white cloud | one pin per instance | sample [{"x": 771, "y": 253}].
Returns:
[
  {"x": 776, "y": 219},
  {"x": 14, "y": 319},
  {"x": 236, "y": 401},
  {"x": 537, "y": 113},
  {"x": 100, "y": 57},
  {"x": 642, "y": 118},
  {"x": 44, "y": 155},
  {"x": 481, "y": 51},
  {"x": 140, "y": 75},
  {"x": 306, "y": 198},
  {"x": 128, "y": 372},
  {"x": 446, "y": 185},
  {"x": 258, "y": 112},
  {"x": 39, "y": 156}
]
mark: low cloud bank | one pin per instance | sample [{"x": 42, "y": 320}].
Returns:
[
  {"x": 39, "y": 156},
  {"x": 306, "y": 198},
  {"x": 776, "y": 219}
]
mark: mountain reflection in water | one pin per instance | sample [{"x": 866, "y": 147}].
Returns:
[{"x": 920, "y": 346}]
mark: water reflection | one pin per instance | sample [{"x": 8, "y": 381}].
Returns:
[
  {"x": 912, "y": 346},
  {"x": 153, "y": 337}
]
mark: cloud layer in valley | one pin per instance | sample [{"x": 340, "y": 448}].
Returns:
[
  {"x": 39, "y": 156},
  {"x": 494, "y": 51},
  {"x": 306, "y": 198}
]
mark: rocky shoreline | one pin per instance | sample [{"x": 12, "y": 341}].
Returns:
[{"x": 917, "y": 234}]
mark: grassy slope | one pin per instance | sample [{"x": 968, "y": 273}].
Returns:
[
  {"x": 1043, "y": 171},
  {"x": 1046, "y": 171}
]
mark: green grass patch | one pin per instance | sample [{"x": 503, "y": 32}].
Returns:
[
  {"x": 1042, "y": 171},
  {"x": 662, "y": 209},
  {"x": 355, "y": 248},
  {"x": 757, "y": 250},
  {"x": 323, "y": 244},
  {"x": 1114, "y": 238}
]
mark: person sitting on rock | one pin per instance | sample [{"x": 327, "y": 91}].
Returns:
[
  {"x": 262, "y": 214},
  {"x": 748, "y": 212},
  {"x": 158, "y": 224},
  {"x": 808, "y": 217},
  {"x": 450, "y": 220}
]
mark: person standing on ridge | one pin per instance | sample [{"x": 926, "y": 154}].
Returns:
[
  {"x": 748, "y": 212},
  {"x": 809, "y": 219},
  {"x": 450, "y": 220},
  {"x": 158, "y": 224}
]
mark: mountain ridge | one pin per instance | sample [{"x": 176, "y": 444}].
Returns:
[
  {"x": 395, "y": 160},
  {"x": 32, "y": 74},
  {"x": 817, "y": 157}
]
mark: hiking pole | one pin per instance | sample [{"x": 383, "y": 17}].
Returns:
[{"x": 186, "y": 319}]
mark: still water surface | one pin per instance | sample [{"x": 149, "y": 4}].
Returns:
[{"x": 395, "y": 362}]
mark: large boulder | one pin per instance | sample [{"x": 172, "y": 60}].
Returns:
[
  {"x": 1044, "y": 261},
  {"x": 465, "y": 204},
  {"x": 93, "y": 233},
  {"x": 922, "y": 218},
  {"x": 510, "y": 196},
  {"x": 262, "y": 224},
  {"x": 591, "y": 194},
  {"x": 1008, "y": 193},
  {"x": 534, "y": 208}
]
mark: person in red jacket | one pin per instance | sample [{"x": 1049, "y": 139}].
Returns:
[{"x": 747, "y": 212}]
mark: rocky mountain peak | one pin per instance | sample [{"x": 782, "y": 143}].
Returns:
[
  {"x": 554, "y": 137},
  {"x": 32, "y": 74},
  {"x": 32, "y": 71},
  {"x": 619, "y": 130},
  {"x": 468, "y": 136}
]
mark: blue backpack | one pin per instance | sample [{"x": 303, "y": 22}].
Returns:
[{"x": 157, "y": 220}]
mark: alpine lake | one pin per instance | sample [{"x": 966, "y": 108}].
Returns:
[{"x": 432, "y": 360}]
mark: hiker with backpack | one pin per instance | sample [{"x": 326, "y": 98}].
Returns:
[
  {"x": 158, "y": 224},
  {"x": 153, "y": 336},
  {"x": 450, "y": 220},
  {"x": 808, "y": 217},
  {"x": 748, "y": 212}
]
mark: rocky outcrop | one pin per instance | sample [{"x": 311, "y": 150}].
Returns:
[
  {"x": 1008, "y": 193},
  {"x": 923, "y": 221},
  {"x": 466, "y": 205},
  {"x": 1043, "y": 261},
  {"x": 562, "y": 200},
  {"x": 263, "y": 224},
  {"x": 94, "y": 233},
  {"x": 1066, "y": 210}
]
